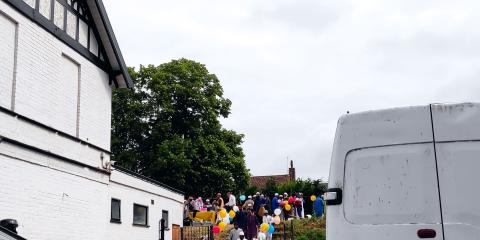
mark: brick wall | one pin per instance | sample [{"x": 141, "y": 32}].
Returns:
[
  {"x": 51, "y": 200},
  {"x": 7, "y": 51},
  {"x": 56, "y": 200},
  {"x": 50, "y": 197},
  {"x": 132, "y": 190},
  {"x": 42, "y": 92}
]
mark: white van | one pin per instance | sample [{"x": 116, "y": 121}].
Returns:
[{"x": 406, "y": 173}]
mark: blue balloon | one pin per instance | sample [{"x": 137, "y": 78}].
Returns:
[
  {"x": 242, "y": 198},
  {"x": 271, "y": 229}
]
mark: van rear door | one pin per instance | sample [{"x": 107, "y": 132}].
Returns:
[
  {"x": 384, "y": 163},
  {"x": 391, "y": 193},
  {"x": 457, "y": 143}
]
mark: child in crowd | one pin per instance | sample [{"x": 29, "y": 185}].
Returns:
[
  {"x": 262, "y": 236},
  {"x": 235, "y": 232}
]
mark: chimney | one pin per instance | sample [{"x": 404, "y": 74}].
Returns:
[{"x": 291, "y": 172}]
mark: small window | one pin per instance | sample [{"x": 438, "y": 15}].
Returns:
[
  {"x": 71, "y": 25},
  {"x": 115, "y": 216},
  {"x": 30, "y": 2},
  {"x": 58, "y": 15},
  {"x": 45, "y": 8},
  {"x": 83, "y": 33},
  {"x": 140, "y": 215},
  {"x": 165, "y": 216},
  {"x": 93, "y": 43}
]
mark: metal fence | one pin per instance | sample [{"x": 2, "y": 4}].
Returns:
[
  {"x": 284, "y": 231},
  {"x": 196, "y": 233}
]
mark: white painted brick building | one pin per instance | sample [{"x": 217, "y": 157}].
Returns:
[{"x": 59, "y": 62}]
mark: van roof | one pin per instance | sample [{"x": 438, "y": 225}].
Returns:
[
  {"x": 403, "y": 125},
  {"x": 385, "y": 127}
]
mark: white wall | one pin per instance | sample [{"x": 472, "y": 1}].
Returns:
[
  {"x": 95, "y": 108},
  {"x": 132, "y": 190},
  {"x": 7, "y": 57},
  {"x": 54, "y": 200},
  {"x": 51, "y": 200},
  {"x": 42, "y": 93}
]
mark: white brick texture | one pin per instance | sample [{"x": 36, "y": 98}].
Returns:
[
  {"x": 7, "y": 57},
  {"x": 52, "y": 198},
  {"x": 132, "y": 190},
  {"x": 50, "y": 204},
  {"x": 43, "y": 94}
]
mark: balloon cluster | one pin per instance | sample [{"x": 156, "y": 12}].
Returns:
[
  {"x": 277, "y": 213},
  {"x": 267, "y": 228},
  {"x": 227, "y": 218}
]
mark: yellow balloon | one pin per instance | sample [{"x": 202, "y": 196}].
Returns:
[
  {"x": 223, "y": 213},
  {"x": 313, "y": 198},
  {"x": 288, "y": 207},
  {"x": 222, "y": 225},
  {"x": 231, "y": 213},
  {"x": 264, "y": 227}
]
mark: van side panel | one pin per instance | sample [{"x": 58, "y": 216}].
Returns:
[
  {"x": 459, "y": 176},
  {"x": 457, "y": 135}
]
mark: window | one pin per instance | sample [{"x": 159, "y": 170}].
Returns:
[
  {"x": 71, "y": 25},
  {"x": 31, "y": 3},
  {"x": 45, "y": 8},
  {"x": 140, "y": 215},
  {"x": 83, "y": 33},
  {"x": 68, "y": 20},
  {"x": 115, "y": 216},
  {"x": 165, "y": 216},
  {"x": 58, "y": 15}
]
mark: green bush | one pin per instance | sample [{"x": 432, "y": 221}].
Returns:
[
  {"x": 309, "y": 229},
  {"x": 314, "y": 234}
]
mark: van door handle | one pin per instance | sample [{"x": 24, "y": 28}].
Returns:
[
  {"x": 426, "y": 233},
  {"x": 333, "y": 196}
]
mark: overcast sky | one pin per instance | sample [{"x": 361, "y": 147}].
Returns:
[{"x": 292, "y": 67}]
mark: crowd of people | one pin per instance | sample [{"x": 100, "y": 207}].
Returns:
[{"x": 248, "y": 213}]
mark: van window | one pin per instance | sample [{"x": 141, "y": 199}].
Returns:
[{"x": 391, "y": 185}]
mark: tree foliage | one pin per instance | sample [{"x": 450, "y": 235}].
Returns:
[
  {"x": 168, "y": 128},
  {"x": 271, "y": 187},
  {"x": 308, "y": 187}
]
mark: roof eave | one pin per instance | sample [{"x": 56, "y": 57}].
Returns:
[{"x": 121, "y": 76}]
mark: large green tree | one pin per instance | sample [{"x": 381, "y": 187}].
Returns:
[{"x": 168, "y": 128}]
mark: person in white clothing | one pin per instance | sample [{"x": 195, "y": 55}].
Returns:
[
  {"x": 232, "y": 201},
  {"x": 267, "y": 218}
]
